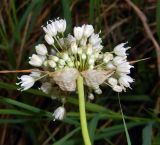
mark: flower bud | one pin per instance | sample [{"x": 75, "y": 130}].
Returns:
[
  {"x": 91, "y": 61},
  {"x": 52, "y": 63},
  {"x": 59, "y": 113},
  {"x": 80, "y": 51},
  {"x": 90, "y": 96},
  {"x": 83, "y": 56},
  {"x": 61, "y": 62},
  {"x": 117, "y": 88},
  {"x": 41, "y": 49},
  {"x": 65, "y": 56},
  {"x": 107, "y": 57},
  {"x": 89, "y": 49},
  {"x": 49, "y": 39},
  {"x": 110, "y": 66},
  {"x": 36, "y": 60},
  {"x": 54, "y": 58},
  {"x": 74, "y": 48},
  {"x": 70, "y": 64}
]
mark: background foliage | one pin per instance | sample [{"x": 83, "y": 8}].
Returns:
[{"x": 26, "y": 117}]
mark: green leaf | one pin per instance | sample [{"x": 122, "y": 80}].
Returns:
[
  {"x": 147, "y": 134},
  {"x": 112, "y": 131},
  {"x": 65, "y": 138},
  {"x": 132, "y": 98},
  {"x": 158, "y": 18},
  {"x": 91, "y": 11},
  {"x": 14, "y": 112},
  {"x": 67, "y": 14},
  {"x": 92, "y": 127}
]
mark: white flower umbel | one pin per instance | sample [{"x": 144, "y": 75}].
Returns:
[
  {"x": 41, "y": 49},
  {"x": 36, "y": 60},
  {"x": 120, "y": 50},
  {"x": 26, "y": 82},
  {"x": 74, "y": 60},
  {"x": 59, "y": 113}
]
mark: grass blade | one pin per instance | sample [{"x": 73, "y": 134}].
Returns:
[{"x": 124, "y": 123}]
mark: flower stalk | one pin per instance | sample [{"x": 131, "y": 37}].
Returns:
[{"x": 82, "y": 111}]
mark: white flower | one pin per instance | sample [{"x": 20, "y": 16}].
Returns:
[
  {"x": 83, "y": 41},
  {"x": 83, "y": 56},
  {"x": 59, "y": 113},
  {"x": 35, "y": 74},
  {"x": 80, "y": 51},
  {"x": 26, "y": 82},
  {"x": 124, "y": 68},
  {"x": 78, "y": 32},
  {"x": 117, "y": 88},
  {"x": 36, "y": 60},
  {"x": 119, "y": 60},
  {"x": 90, "y": 96},
  {"x": 51, "y": 63},
  {"x": 125, "y": 81},
  {"x": 65, "y": 56},
  {"x": 54, "y": 58},
  {"x": 70, "y": 38},
  {"x": 107, "y": 57},
  {"x": 112, "y": 81},
  {"x": 110, "y": 65},
  {"x": 88, "y": 30},
  {"x": 49, "y": 39},
  {"x": 120, "y": 50},
  {"x": 41, "y": 49},
  {"x": 46, "y": 87},
  {"x": 98, "y": 91},
  {"x": 50, "y": 29},
  {"x": 62, "y": 41},
  {"x": 61, "y": 62},
  {"x": 74, "y": 47},
  {"x": 94, "y": 39},
  {"x": 89, "y": 49},
  {"x": 97, "y": 47},
  {"x": 91, "y": 61},
  {"x": 60, "y": 25},
  {"x": 70, "y": 64}
]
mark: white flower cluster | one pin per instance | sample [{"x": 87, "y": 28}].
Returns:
[{"x": 73, "y": 55}]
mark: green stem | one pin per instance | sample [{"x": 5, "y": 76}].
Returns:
[{"x": 82, "y": 111}]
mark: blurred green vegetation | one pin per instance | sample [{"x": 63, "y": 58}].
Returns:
[{"x": 26, "y": 117}]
